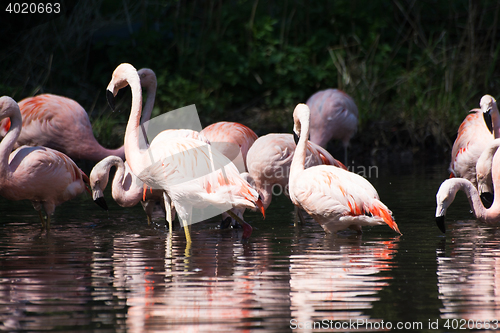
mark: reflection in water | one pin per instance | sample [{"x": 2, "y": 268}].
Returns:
[
  {"x": 469, "y": 272},
  {"x": 339, "y": 279}
]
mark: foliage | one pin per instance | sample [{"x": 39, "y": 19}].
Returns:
[{"x": 414, "y": 66}]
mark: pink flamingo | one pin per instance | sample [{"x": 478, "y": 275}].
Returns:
[
  {"x": 450, "y": 187},
  {"x": 63, "y": 124},
  {"x": 231, "y": 138},
  {"x": 181, "y": 165},
  {"x": 42, "y": 175},
  {"x": 126, "y": 189},
  {"x": 484, "y": 169},
  {"x": 60, "y": 123},
  {"x": 334, "y": 115},
  {"x": 336, "y": 198},
  {"x": 269, "y": 160},
  {"x": 477, "y": 130}
]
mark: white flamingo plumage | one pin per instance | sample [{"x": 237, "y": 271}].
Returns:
[
  {"x": 336, "y": 198},
  {"x": 42, "y": 175},
  {"x": 180, "y": 168}
]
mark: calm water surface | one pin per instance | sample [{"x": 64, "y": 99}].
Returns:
[{"x": 109, "y": 271}]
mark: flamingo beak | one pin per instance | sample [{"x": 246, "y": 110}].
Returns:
[
  {"x": 440, "y": 223},
  {"x": 487, "y": 120},
  {"x": 111, "y": 99},
  {"x": 101, "y": 203},
  {"x": 295, "y": 138},
  {"x": 261, "y": 208}
]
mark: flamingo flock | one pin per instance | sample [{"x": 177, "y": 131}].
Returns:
[{"x": 225, "y": 168}]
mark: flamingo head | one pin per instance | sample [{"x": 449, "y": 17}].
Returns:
[
  {"x": 301, "y": 116},
  {"x": 98, "y": 180},
  {"x": 487, "y": 104},
  {"x": 120, "y": 79},
  {"x": 148, "y": 78},
  {"x": 444, "y": 198}
]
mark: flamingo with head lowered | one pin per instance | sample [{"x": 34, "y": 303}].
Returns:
[
  {"x": 188, "y": 170},
  {"x": 336, "y": 198},
  {"x": 334, "y": 115},
  {"x": 449, "y": 188},
  {"x": 42, "y": 175}
]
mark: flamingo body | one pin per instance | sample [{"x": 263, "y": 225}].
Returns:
[
  {"x": 334, "y": 115},
  {"x": 42, "y": 175},
  {"x": 59, "y": 123},
  {"x": 269, "y": 160},
  {"x": 231, "y": 139},
  {"x": 336, "y": 198}
]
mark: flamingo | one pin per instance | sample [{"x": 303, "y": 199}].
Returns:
[
  {"x": 483, "y": 171},
  {"x": 334, "y": 115},
  {"x": 42, "y": 175},
  {"x": 59, "y": 123},
  {"x": 181, "y": 164},
  {"x": 231, "y": 138},
  {"x": 269, "y": 160},
  {"x": 450, "y": 187},
  {"x": 336, "y": 198},
  {"x": 126, "y": 189},
  {"x": 477, "y": 130}
]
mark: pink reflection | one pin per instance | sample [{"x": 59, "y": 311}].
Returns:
[{"x": 469, "y": 273}]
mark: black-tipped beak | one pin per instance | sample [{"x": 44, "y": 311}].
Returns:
[
  {"x": 440, "y": 223},
  {"x": 487, "y": 199},
  {"x": 487, "y": 120},
  {"x": 111, "y": 99},
  {"x": 101, "y": 202},
  {"x": 295, "y": 138}
]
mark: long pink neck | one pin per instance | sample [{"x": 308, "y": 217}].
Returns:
[
  {"x": 8, "y": 142},
  {"x": 133, "y": 153},
  {"x": 121, "y": 187},
  {"x": 492, "y": 214},
  {"x": 495, "y": 119},
  {"x": 299, "y": 157},
  {"x": 150, "y": 101},
  {"x": 96, "y": 152}
]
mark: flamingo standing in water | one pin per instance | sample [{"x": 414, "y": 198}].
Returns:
[
  {"x": 42, "y": 175},
  {"x": 450, "y": 187},
  {"x": 231, "y": 139},
  {"x": 59, "y": 123},
  {"x": 269, "y": 160},
  {"x": 181, "y": 165},
  {"x": 334, "y": 115},
  {"x": 336, "y": 198},
  {"x": 126, "y": 189},
  {"x": 475, "y": 133}
]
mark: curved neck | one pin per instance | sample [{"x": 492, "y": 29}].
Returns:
[
  {"x": 150, "y": 100},
  {"x": 133, "y": 153},
  {"x": 299, "y": 156},
  {"x": 495, "y": 119},
  {"x": 488, "y": 215},
  {"x": 7, "y": 143},
  {"x": 118, "y": 190},
  {"x": 97, "y": 152}
]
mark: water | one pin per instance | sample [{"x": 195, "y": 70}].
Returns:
[{"x": 111, "y": 272}]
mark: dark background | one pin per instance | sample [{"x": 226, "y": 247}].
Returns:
[{"x": 414, "y": 68}]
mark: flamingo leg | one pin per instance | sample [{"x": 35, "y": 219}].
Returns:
[
  {"x": 41, "y": 219},
  {"x": 298, "y": 214},
  {"x": 168, "y": 210}
]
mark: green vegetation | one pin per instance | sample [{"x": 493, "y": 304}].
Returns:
[{"x": 414, "y": 68}]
